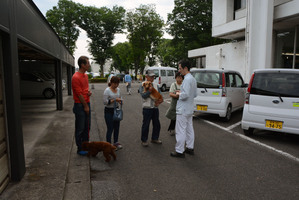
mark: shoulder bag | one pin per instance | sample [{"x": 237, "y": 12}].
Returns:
[{"x": 118, "y": 112}]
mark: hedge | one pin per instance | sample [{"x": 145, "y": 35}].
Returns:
[{"x": 98, "y": 80}]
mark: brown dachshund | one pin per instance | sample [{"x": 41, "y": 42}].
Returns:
[
  {"x": 94, "y": 147},
  {"x": 155, "y": 95}
]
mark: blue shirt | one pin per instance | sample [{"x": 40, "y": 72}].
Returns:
[
  {"x": 128, "y": 78},
  {"x": 188, "y": 93}
]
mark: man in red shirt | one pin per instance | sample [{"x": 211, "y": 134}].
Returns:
[{"x": 81, "y": 109}]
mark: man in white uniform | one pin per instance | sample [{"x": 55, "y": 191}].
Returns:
[{"x": 184, "y": 113}]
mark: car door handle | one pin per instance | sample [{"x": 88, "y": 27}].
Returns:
[{"x": 275, "y": 101}]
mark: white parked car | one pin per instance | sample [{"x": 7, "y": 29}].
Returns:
[
  {"x": 219, "y": 92},
  {"x": 164, "y": 76},
  {"x": 272, "y": 101},
  {"x": 48, "y": 76},
  {"x": 34, "y": 86}
]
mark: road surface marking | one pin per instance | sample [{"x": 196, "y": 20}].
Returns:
[
  {"x": 234, "y": 125},
  {"x": 254, "y": 141}
]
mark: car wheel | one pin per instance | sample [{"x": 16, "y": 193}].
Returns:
[
  {"x": 228, "y": 113},
  {"x": 163, "y": 88},
  {"x": 248, "y": 132},
  {"x": 49, "y": 93}
]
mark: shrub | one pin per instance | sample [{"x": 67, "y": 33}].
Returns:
[
  {"x": 98, "y": 80},
  {"x": 89, "y": 76}
]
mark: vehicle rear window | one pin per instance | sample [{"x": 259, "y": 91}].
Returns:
[
  {"x": 170, "y": 73},
  {"x": 276, "y": 84},
  {"x": 156, "y": 73},
  {"x": 207, "y": 79}
]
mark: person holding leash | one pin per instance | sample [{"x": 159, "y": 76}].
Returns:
[
  {"x": 184, "y": 113},
  {"x": 112, "y": 94},
  {"x": 81, "y": 109},
  {"x": 150, "y": 112}
]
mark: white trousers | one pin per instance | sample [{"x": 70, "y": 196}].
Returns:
[{"x": 184, "y": 133}]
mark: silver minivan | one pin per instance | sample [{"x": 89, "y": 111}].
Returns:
[
  {"x": 272, "y": 101},
  {"x": 219, "y": 92}
]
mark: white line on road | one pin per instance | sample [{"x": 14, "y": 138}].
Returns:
[
  {"x": 254, "y": 141},
  {"x": 229, "y": 129},
  {"x": 234, "y": 125}
]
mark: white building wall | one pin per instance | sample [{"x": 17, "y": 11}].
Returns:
[
  {"x": 259, "y": 30},
  {"x": 257, "y": 23},
  {"x": 228, "y": 56}
]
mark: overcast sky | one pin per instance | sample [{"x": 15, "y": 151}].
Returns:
[{"x": 163, "y": 7}]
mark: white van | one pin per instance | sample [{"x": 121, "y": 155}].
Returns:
[
  {"x": 272, "y": 101},
  {"x": 219, "y": 92},
  {"x": 164, "y": 76}
]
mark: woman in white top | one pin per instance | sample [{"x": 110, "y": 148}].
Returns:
[
  {"x": 112, "y": 94},
  {"x": 174, "y": 94}
]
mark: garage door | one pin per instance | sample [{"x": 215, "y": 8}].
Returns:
[{"x": 4, "y": 172}]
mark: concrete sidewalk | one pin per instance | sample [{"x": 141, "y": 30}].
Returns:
[{"x": 53, "y": 169}]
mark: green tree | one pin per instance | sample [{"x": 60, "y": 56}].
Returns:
[
  {"x": 62, "y": 18},
  {"x": 167, "y": 53},
  {"x": 145, "y": 29},
  {"x": 190, "y": 24},
  {"x": 122, "y": 57},
  {"x": 101, "y": 24}
]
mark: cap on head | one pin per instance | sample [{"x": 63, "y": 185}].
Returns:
[{"x": 150, "y": 73}]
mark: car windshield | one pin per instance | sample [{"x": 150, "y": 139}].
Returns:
[
  {"x": 207, "y": 79},
  {"x": 276, "y": 84}
]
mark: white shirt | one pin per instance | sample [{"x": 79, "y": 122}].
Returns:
[{"x": 188, "y": 93}]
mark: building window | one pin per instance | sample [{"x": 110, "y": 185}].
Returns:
[
  {"x": 201, "y": 62},
  {"x": 286, "y": 42},
  {"x": 239, "y": 4}
]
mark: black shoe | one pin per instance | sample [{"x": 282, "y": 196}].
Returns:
[
  {"x": 176, "y": 154},
  {"x": 189, "y": 151}
]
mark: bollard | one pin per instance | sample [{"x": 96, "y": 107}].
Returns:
[{"x": 92, "y": 86}]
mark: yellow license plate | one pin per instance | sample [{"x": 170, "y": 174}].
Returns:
[
  {"x": 274, "y": 124},
  {"x": 202, "y": 107}
]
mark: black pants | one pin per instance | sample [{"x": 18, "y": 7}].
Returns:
[
  {"x": 148, "y": 115},
  {"x": 171, "y": 125},
  {"x": 112, "y": 126}
]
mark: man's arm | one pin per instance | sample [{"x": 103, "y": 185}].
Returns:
[
  {"x": 85, "y": 105},
  {"x": 185, "y": 91},
  {"x": 144, "y": 94}
]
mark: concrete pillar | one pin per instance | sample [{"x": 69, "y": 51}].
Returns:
[
  {"x": 12, "y": 95},
  {"x": 259, "y": 28},
  {"x": 58, "y": 83}
]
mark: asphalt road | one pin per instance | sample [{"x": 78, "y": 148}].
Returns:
[{"x": 226, "y": 164}]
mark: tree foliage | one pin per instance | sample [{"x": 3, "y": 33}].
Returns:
[
  {"x": 167, "y": 53},
  {"x": 101, "y": 24},
  {"x": 145, "y": 29},
  {"x": 62, "y": 18},
  {"x": 122, "y": 57},
  {"x": 190, "y": 24}
]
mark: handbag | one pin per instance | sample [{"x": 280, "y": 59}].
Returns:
[
  {"x": 171, "y": 112},
  {"x": 118, "y": 112}
]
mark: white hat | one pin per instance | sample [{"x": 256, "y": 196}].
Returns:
[{"x": 150, "y": 73}]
